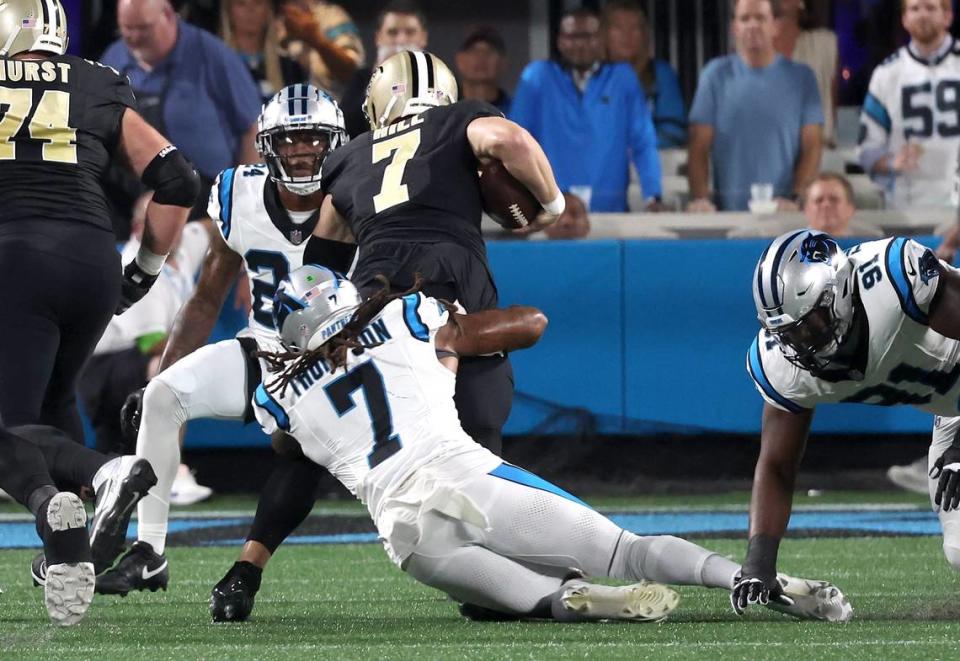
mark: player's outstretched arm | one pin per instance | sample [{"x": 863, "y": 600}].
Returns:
[
  {"x": 198, "y": 315},
  {"x": 491, "y": 331},
  {"x": 175, "y": 183},
  {"x": 782, "y": 442},
  {"x": 523, "y": 157}
]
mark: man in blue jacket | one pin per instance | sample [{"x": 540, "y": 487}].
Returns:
[{"x": 591, "y": 118}]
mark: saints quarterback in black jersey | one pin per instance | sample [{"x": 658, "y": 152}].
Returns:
[
  {"x": 408, "y": 194},
  {"x": 62, "y": 119}
]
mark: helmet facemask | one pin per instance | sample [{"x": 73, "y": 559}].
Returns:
[
  {"x": 812, "y": 341},
  {"x": 294, "y": 156}
]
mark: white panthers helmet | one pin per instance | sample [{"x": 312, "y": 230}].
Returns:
[
  {"x": 295, "y": 109},
  {"x": 313, "y": 305},
  {"x": 803, "y": 291}
]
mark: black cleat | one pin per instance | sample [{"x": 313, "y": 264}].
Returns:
[
  {"x": 38, "y": 570},
  {"x": 140, "y": 568},
  {"x": 231, "y": 599},
  {"x": 126, "y": 480},
  {"x": 476, "y": 613}
]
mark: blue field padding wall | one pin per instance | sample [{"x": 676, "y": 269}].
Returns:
[{"x": 645, "y": 336}]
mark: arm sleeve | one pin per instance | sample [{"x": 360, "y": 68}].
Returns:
[
  {"x": 812, "y": 104},
  {"x": 914, "y": 272},
  {"x": 643, "y": 138},
  {"x": 525, "y": 104},
  {"x": 670, "y": 114},
  {"x": 704, "y": 107},
  {"x": 875, "y": 123},
  {"x": 777, "y": 380}
]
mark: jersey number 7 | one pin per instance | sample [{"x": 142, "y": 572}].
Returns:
[
  {"x": 401, "y": 148},
  {"x": 367, "y": 377}
]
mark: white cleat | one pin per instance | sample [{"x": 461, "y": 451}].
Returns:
[
  {"x": 68, "y": 589},
  {"x": 813, "y": 600},
  {"x": 185, "y": 490},
  {"x": 640, "y": 602}
]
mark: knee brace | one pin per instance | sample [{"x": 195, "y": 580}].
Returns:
[{"x": 172, "y": 178}]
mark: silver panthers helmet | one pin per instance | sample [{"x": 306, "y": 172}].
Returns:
[
  {"x": 803, "y": 290},
  {"x": 292, "y": 112},
  {"x": 313, "y": 305}
]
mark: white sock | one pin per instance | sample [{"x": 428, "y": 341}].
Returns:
[
  {"x": 668, "y": 559},
  {"x": 159, "y": 443}
]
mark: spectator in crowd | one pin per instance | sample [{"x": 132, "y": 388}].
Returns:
[
  {"x": 250, "y": 28},
  {"x": 757, "y": 116},
  {"x": 590, "y": 116},
  {"x": 401, "y": 25},
  {"x": 627, "y": 35},
  {"x": 817, "y": 48},
  {"x": 830, "y": 207},
  {"x": 480, "y": 61},
  {"x": 190, "y": 86},
  {"x": 324, "y": 39},
  {"x": 128, "y": 354},
  {"x": 910, "y": 124}
]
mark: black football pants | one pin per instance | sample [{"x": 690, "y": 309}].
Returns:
[{"x": 59, "y": 286}]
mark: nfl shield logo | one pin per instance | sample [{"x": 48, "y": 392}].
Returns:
[{"x": 295, "y": 236}]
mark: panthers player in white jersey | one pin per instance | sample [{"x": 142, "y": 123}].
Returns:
[
  {"x": 367, "y": 389},
  {"x": 910, "y": 122},
  {"x": 265, "y": 214},
  {"x": 879, "y": 324}
]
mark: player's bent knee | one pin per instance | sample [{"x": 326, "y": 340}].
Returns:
[{"x": 162, "y": 399}]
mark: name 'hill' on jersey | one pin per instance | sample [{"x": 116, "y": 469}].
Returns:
[
  {"x": 59, "y": 125},
  {"x": 415, "y": 180}
]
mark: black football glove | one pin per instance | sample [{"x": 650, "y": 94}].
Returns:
[
  {"x": 130, "y": 416},
  {"x": 756, "y": 582},
  {"x": 136, "y": 283},
  {"x": 947, "y": 468}
]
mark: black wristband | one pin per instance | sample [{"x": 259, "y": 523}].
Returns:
[{"x": 761, "y": 556}]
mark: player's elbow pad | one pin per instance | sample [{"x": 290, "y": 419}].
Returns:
[
  {"x": 335, "y": 255},
  {"x": 172, "y": 178}
]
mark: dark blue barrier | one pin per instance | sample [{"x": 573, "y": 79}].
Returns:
[{"x": 645, "y": 336}]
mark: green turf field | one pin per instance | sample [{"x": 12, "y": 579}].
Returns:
[{"x": 348, "y": 601}]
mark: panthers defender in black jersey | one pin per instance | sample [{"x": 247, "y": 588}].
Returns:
[
  {"x": 408, "y": 194},
  {"x": 62, "y": 119}
]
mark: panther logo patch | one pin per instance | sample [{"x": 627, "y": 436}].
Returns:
[
  {"x": 817, "y": 248},
  {"x": 929, "y": 266}
]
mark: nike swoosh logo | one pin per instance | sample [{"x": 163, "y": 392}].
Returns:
[
  {"x": 910, "y": 269},
  {"x": 148, "y": 573}
]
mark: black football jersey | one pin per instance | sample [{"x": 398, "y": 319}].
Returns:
[
  {"x": 413, "y": 181},
  {"x": 59, "y": 126}
]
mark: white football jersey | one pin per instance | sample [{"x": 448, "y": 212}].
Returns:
[
  {"x": 906, "y": 362},
  {"x": 246, "y": 207},
  {"x": 388, "y": 413},
  {"x": 912, "y": 100}
]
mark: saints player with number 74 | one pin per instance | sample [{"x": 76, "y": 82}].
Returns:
[
  {"x": 265, "y": 214},
  {"x": 879, "y": 324}
]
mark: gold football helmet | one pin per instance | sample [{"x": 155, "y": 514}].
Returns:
[
  {"x": 32, "y": 25},
  {"x": 407, "y": 84}
]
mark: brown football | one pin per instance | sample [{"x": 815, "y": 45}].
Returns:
[{"x": 505, "y": 199}]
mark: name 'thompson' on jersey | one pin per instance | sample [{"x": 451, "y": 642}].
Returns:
[
  {"x": 413, "y": 181},
  {"x": 246, "y": 206},
  {"x": 907, "y": 362},
  {"x": 59, "y": 126},
  {"x": 387, "y": 414}
]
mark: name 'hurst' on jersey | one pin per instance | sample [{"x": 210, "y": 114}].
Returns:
[
  {"x": 412, "y": 181},
  {"x": 59, "y": 126}
]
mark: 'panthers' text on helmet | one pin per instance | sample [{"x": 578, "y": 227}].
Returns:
[
  {"x": 299, "y": 110},
  {"x": 803, "y": 291},
  {"x": 32, "y": 25},
  {"x": 407, "y": 84},
  {"x": 313, "y": 305}
]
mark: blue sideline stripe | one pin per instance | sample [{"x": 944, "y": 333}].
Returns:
[
  {"x": 411, "y": 315},
  {"x": 226, "y": 201},
  {"x": 271, "y": 406},
  {"x": 897, "y": 269},
  {"x": 756, "y": 371},
  {"x": 519, "y": 476},
  {"x": 877, "y": 112}
]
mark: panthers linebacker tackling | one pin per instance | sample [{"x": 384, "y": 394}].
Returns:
[
  {"x": 265, "y": 214},
  {"x": 879, "y": 324},
  {"x": 451, "y": 513}
]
